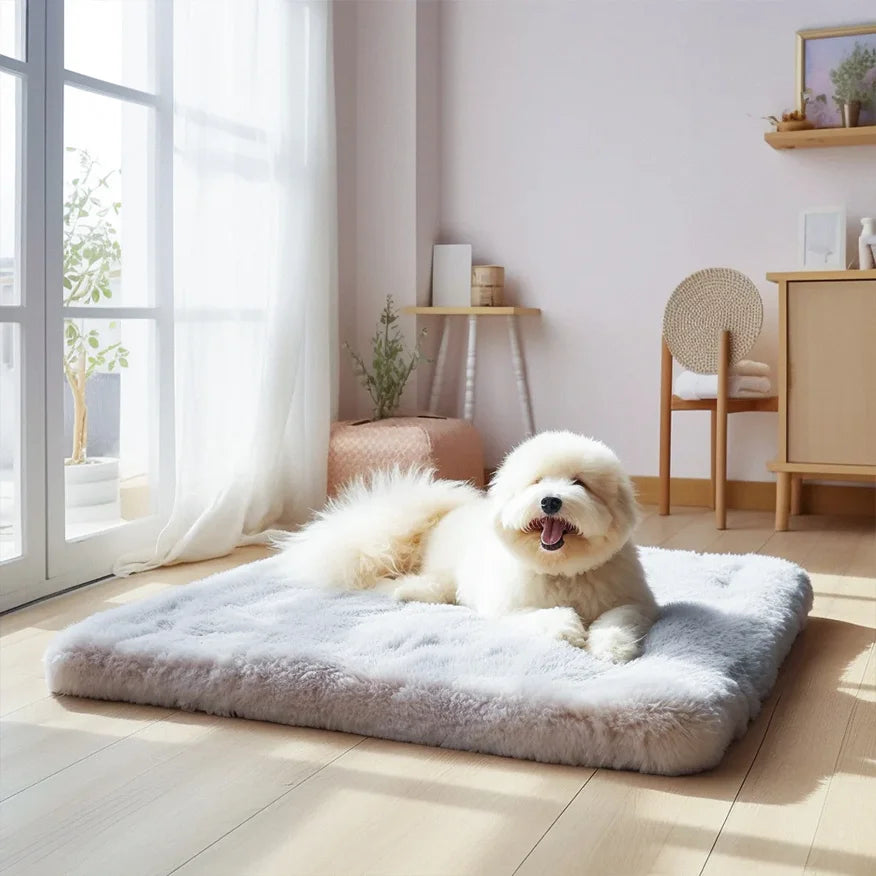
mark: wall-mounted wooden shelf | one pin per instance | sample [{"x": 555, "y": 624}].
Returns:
[
  {"x": 822, "y": 138},
  {"x": 472, "y": 311}
]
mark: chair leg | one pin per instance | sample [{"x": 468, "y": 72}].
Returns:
[
  {"x": 713, "y": 438},
  {"x": 796, "y": 494},
  {"x": 665, "y": 428},
  {"x": 721, "y": 434},
  {"x": 783, "y": 490}
]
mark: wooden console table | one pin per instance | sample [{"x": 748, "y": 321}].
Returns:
[
  {"x": 512, "y": 313},
  {"x": 826, "y": 380}
]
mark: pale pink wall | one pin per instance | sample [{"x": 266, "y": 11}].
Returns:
[
  {"x": 375, "y": 67},
  {"x": 601, "y": 152}
]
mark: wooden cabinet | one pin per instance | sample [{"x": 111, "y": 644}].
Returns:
[{"x": 826, "y": 379}]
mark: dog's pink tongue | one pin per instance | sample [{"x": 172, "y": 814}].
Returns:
[{"x": 552, "y": 530}]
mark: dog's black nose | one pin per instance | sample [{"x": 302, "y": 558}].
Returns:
[{"x": 551, "y": 504}]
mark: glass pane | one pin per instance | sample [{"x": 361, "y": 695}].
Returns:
[
  {"x": 12, "y": 21},
  {"x": 10, "y": 189},
  {"x": 10, "y": 442},
  {"x": 110, "y": 423},
  {"x": 112, "y": 40},
  {"x": 107, "y": 202}
]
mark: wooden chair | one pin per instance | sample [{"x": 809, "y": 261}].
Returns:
[{"x": 719, "y": 409}]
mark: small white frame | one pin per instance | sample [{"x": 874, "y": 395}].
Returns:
[
  {"x": 822, "y": 239},
  {"x": 451, "y": 275}
]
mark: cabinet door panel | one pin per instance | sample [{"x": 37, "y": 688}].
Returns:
[{"x": 832, "y": 372}]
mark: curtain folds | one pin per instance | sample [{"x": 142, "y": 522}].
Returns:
[{"x": 255, "y": 272}]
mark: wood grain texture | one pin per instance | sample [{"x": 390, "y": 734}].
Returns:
[
  {"x": 866, "y": 472},
  {"x": 769, "y": 404},
  {"x": 783, "y": 500},
  {"x": 472, "y": 311},
  {"x": 773, "y": 824},
  {"x": 822, "y": 138},
  {"x": 855, "y": 501},
  {"x": 390, "y": 808},
  {"x": 104, "y": 788},
  {"x": 832, "y": 367},
  {"x": 783, "y": 276},
  {"x": 782, "y": 377},
  {"x": 721, "y": 432},
  {"x": 665, "y": 427}
]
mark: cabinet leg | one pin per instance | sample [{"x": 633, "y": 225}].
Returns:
[
  {"x": 783, "y": 495},
  {"x": 796, "y": 494}
]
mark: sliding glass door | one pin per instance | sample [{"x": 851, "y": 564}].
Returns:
[
  {"x": 90, "y": 366},
  {"x": 22, "y": 301}
]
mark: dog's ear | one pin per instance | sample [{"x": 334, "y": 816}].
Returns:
[
  {"x": 626, "y": 509},
  {"x": 499, "y": 488}
]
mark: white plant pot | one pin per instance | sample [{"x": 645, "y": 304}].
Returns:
[{"x": 91, "y": 490}]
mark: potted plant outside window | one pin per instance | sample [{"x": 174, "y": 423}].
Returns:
[{"x": 92, "y": 258}]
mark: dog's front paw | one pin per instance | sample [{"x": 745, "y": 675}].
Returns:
[
  {"x": 564, "y": 624},
  {"x": 421, "y": 588},
  {"x": 614, "y": 643}
]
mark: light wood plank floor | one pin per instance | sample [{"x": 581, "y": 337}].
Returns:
[{"x": 107, "y": 788}]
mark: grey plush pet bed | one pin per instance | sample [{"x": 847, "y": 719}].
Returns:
[{"x": 246, "y": 643}]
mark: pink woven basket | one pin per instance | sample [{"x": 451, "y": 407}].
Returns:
[{"x": 452, "y": 447}]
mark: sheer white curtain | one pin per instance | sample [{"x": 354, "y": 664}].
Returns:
[{"x": 254, "y": 272}]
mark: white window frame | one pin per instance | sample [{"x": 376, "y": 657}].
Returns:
[{"x": 49, "y": 562}]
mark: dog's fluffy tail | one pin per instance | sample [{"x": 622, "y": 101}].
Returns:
[{"x": 374, "y": 529}]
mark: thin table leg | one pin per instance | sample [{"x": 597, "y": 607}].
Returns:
[
  {"x": 520, "y": 373},
  {"x": 438, "y": 376},
  {"x": 783, "y": 491},
  {"x": 714, "y": 439},
  {"x": 663, "y": 505},
  {"x": 721, "y": 434},
  {"x": 471, "y": 368}
]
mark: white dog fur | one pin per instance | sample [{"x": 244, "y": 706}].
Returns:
[{"x": 565, "y": 569}]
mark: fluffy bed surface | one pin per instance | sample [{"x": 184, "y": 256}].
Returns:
[{"x": 247, "y": 643}]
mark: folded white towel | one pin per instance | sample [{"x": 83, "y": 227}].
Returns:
[
  {"x": 692, "y": 386},
  {"x": 748, "y": 368}
]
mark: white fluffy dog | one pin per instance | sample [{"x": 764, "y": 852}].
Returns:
[{"x": 547, "y": 549}]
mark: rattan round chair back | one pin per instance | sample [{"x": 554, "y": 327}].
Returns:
[{"x": 701, "y": 307}]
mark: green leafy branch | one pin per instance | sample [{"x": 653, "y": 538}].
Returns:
[
  {"x": 391, "y": 363},
  {"x": 92, "y": 258}
]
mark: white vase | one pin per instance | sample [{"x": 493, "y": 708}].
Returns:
[
  {"x": 91, "y": 490},
  {"x": 867, "y": 245}
]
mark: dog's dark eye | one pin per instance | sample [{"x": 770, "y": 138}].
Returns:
[{"x": 581, "y": 484}]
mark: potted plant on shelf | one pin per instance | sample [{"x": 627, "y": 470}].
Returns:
[
  {"x": 391, "y": 363},
  {"x": 854, "y": 83},
  {"x": 92, "y": 257},
  {"x": 797, "y": 120}
]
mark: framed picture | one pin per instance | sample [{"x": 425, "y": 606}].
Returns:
[
  {"x": 835, "y": 66},
  {"x": 451, "y": 275},
  {"x": 823, "y": 239}
]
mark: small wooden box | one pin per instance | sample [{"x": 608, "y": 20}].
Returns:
[{"x": 487, "y": 286}]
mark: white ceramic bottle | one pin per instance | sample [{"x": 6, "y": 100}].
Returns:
[{"x": 867, "y": 245}]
